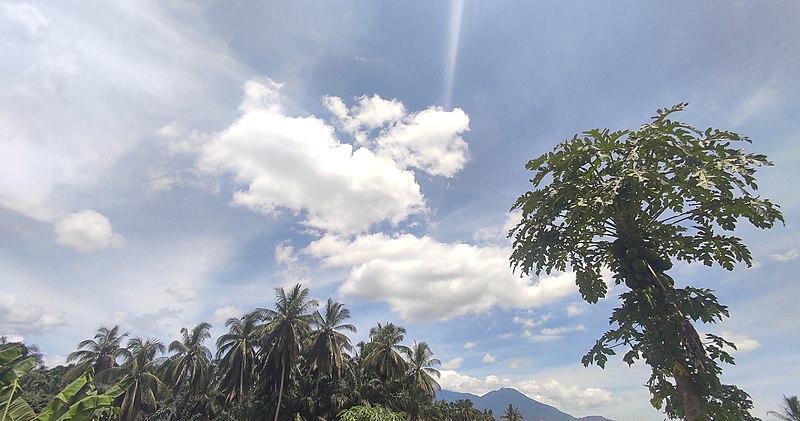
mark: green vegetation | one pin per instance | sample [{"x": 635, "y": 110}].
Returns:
[
  {"x": 290, "y": 362},
  {"x": 790, "y": 410},
  {"x": 632, "y": 201}
]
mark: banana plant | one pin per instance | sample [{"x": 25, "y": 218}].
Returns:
[{"x": 78, "y": 401}]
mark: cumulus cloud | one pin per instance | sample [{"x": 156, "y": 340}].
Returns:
[
  {"x": 453, "y": 364},
  {"x": 12, "y": 337},
  {"x": 785, "y": 256},
  {"x": 421, "y": 278},
  {"x": 550, "y": 392},
  {"x": 744, "y": 344},
  {"x": 297, "y": 164},
  {"x": 575, "y": 310},
  {"x": 469, "y": 345},
  {"x": 489, "y": 359},
  {"x": 20, "y": 316},
  {"x": 370, "y": 113},
  {"x": 86, "y": 231},
  {"x": 222, "y": 314},
  {"x": 429, "y": 140}
]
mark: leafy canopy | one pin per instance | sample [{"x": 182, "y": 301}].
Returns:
[{"x": 630, "y": 201}]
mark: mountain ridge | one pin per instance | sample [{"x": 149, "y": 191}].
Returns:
[{"x": 497, "y": 401}]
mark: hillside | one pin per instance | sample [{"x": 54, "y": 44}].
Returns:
[{"x": 498, "y": 400}]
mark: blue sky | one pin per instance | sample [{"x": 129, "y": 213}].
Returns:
[{"x": 164, "y": 164}]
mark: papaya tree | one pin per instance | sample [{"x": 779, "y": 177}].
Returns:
[{"x": 634, "y": 201}]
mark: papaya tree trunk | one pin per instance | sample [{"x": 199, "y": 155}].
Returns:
[{"x": 692, "y": 404}]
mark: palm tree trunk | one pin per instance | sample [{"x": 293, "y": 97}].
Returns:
[{"x": 280, "y": 391}]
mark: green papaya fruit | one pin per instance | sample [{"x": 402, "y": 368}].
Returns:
[
  {"x": 631, "y": 253},
  {"x": 639, "y": 265}
]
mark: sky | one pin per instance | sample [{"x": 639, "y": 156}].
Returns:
[{"x": 168, "y": 163}]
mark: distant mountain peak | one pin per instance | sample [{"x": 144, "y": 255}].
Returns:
[{"x": 497, "y": 401}]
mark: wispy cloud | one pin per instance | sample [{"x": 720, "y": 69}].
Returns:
[{"x": 785, "y": 256}]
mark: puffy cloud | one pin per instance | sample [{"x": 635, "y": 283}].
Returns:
[
  {"x": 421, "y": 278},
  {"x": 743, "y": 343},
  {"x": 489, "y": 359},
  {"x": 86, "y": 230},
  {"x": 453, "y": 364},
  {"x": 428, "y": 140},
  {"x": 222, "y": 314},
  {"x": 296, "y": 163},
  {"x": 370, "y": 113},
  {"x": 12, "y": 337},
  {"x": 469, "y": 345},
  {"x": 575, "y": 310},
  {"x": 785, "y": 256},
  {"x": 23, "y": 317},
  {"x": 550, "y": 392}
]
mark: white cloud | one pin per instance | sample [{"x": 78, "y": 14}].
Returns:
[
  {"x": 785, "y": 256},
  {"x": 575, "y": 310},
  {"x": 23, "y": 20},
  {"x": 497, "y": 234},
  {"x": 86, "y": 231},
  {"x": 296, "y": 163},
  {"x": 428, "y": 140},
  {"x": 743, "y": 343},
  {"x": 182, "y": 293},
  {"x": 292, "y": 272},
  {"x": 370, "y": 113},
  {"x": 76, "y": 94},
  {"x": 421, "y": 278},
  {"x": 222, "y": 314},
  {"x": 12, "y": 337},
  {"x": 453, "y": 364},
  {"x": 23, "y": 317},
  {"x": 52, "y": 360},
  {"x": 489, "y": 359},
  {"x": 562, "y": 329},
  {"x": 550, "y": 392},
  {"x": 469, "y": 345},
  {"x": 532, "y": 322}
]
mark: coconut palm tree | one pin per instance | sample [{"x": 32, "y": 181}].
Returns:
[
  {"x": 98, "y": 354},
  {"x": 420, "y": 368},
  {"x": 512, "y": 414},
  {"x": 286, "y": 328},
  {"x": 236, "y": 351},
  {"x": 790, "y": 409},
  {"x": 139, "y": 368},
  {"x": 328, "y": 341},
  {"x": 190, "y": 366},
  {"x": 383, "y": 352}
]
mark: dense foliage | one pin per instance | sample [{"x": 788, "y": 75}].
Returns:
[
  {"x": 293, "y": 361},
  {"x": 632, "y": 201}
]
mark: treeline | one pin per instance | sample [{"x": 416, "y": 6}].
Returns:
[{"x": 290, "y": 362}]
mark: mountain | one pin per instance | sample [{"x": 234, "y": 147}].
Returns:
[{"x": 498, "y": 400}]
